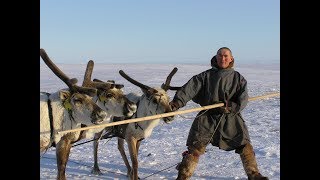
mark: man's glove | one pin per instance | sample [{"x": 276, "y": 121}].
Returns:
[{"x": 174, "y": 105}]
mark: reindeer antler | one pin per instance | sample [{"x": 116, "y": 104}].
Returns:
[
  {"x": 118, "y": 86},
  {"x": 71, "y": 83},
  {"x": 88, "y": 73},
  {"x": 166, "y": 85},
  {"x": 142, "y": 86},
  {"x": 55, "y": 69},
  {"x": 87, "y": 79}
]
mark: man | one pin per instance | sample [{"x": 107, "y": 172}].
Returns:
[{"x": 223, "y": 127}]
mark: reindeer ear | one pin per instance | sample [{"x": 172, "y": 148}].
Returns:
[
  {"x": 163, "y": 86},
  {"x": 63, "y": 94},
  {"x": 149, "y": 92},
  {"x": 100, "y": 91},
  {"x": 145, "y": 91},
  {"x": 111, "y": 81},
  {"x": 152, "y": 91},
  {"x": 97, "y": 80},
  {"x": 119, "y": 86}
]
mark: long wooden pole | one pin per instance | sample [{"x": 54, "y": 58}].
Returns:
[{"x": 158, "y": 116}]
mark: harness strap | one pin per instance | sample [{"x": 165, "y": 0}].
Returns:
[
  {"x": 120, "y": 130},
  {"x": 136, "y": 125},
  {"x": 80, "y": 135},
  {"x": 52, "y": 143},
  {"x": 68, "y": 107}
]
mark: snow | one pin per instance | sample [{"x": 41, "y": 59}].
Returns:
[{"x": 160, "y": 153}]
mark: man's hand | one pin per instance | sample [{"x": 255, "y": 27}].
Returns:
[
  {"x": 174, "y": 105},
  {"x": 168, "y": 119},
  {"x": 225, "y": 109}
]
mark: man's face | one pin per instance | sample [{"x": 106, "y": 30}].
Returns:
[{"x": 224, "y": 58}]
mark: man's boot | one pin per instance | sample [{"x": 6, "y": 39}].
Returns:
[
  {"x": 249, "y": 163},
  {"x": 187, "y": 166},
  {"x": 184, "y": 154}
]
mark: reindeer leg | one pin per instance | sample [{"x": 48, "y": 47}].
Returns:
[
  {"x": 138, "y": 146},
  {"x": 132, "y": 146},
  {"x": 96, "y": 169},
  {"x": 137, "y": 150},
  {"x": 123, "y": 155},
  {"x": 62, "y": 154}
]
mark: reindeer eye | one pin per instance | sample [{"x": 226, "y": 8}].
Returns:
[
  {"x": 77, "y": 101},
  {"x": 109, "y": 95},
  {"x": 154, "y": 101}
]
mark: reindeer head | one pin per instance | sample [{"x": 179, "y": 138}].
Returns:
[
  {"x": 110, "y": 96},
  {"x": 76, "y": 100},
  {"x": 155, "y": 100}
]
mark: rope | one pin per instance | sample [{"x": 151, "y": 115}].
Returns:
[
  {"x": 215, "y": 129},
  {"x": 90, "y": 141},
  {"x": 84, "y": 142},
  {"x": 44, "y": 153},
  {"x": 160, "y": 171},
  {"x": 69, "y": 161},
  {"x": 88, "y": 166},
  {"x": 77, "y": 145}
]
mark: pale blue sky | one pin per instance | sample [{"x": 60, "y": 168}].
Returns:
[{"x": 159, "y": 31}]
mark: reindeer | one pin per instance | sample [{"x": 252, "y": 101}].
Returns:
[
  {"x": 63, "y": 142},
  {"x": 110, "y": 99},
  {"x": 153, "y": 101},
  {"x": 65, "y": 109}
]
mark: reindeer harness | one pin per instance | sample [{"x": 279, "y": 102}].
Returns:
[
  {"x": 52, "y": 143},
  {"x": 66, "y": 104},
  {"x": 120, "y": 130}
]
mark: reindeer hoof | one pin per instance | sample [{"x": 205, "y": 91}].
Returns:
[{"x": 96, "y": 171}]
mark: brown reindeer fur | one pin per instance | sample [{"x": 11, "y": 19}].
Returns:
[{"x": 62, "y": 153}]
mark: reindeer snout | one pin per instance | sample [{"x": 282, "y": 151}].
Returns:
[
  {"x": 130, "y": 109},
  {"x": 99, "y": 117},
  {"x": 168, "y": 119}
]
